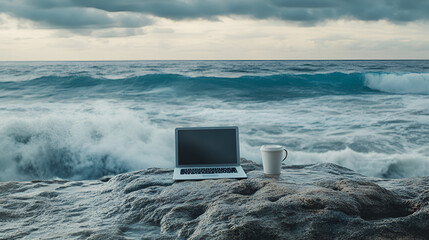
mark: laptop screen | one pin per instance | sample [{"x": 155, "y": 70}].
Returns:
[{"x": 202, "y": 146}]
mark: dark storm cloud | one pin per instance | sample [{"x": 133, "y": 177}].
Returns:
[
  {"x": 290, "y": 10},
  {"x": 64, "y": 14},
  {"x": 75, "y": 14}
]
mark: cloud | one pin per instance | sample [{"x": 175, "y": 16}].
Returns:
[
  {"x": 96, "y": 14},
  {"x": 114, "y": 32},
  {"x": 163, "y": 30},
  {"x": 79, "y": 19},
  {"x": 75, "y": 16},
  {"x": 290, "y": 10}
]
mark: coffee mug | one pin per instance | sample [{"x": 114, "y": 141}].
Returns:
[{"x": 272, "y": 158}]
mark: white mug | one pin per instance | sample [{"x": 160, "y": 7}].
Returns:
[{"x": 272, "y": 158}]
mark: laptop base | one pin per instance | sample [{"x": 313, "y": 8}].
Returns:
[{"x": 178, "y": 173}]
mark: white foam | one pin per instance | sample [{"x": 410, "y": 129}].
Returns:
[
  {"x": 398, "y": 83},
  {"x": 81, "y": 144},
  {"x": 121, "y": 135},
  {"x": 410, "y": 164}
]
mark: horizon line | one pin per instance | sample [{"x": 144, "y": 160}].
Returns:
[{"x": 136, "y": 60}]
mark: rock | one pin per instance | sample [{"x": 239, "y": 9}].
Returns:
[{"x": 319, "y": 201}]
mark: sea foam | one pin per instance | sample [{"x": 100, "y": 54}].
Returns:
[
  {"x": 82, "y": 120},
  {"x": 398, "y": 82},
  {"x": 80, "y": 145}
]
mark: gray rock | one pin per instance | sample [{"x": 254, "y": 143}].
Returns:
[{"x": 320, "y": 201}]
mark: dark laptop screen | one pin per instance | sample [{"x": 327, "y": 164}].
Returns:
[{"x": 207, "y": 146}]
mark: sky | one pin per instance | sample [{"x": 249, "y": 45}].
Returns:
[{"x": 213, "y": 29}]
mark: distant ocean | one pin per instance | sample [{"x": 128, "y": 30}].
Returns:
[{"x": 84, "y": 120}]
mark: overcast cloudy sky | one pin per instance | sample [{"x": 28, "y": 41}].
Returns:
[{"x": 213, "y": 29}]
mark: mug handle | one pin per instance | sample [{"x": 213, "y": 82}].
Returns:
[{"x": 286, "y": 154}]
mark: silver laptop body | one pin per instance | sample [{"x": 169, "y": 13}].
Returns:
[{"x": 207, "y": 153}]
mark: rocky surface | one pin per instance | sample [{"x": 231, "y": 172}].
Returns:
[{"x": 321, "y": 201}]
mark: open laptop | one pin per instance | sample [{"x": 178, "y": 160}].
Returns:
[{"x": 207, "y": 152}]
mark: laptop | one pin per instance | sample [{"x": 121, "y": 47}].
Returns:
[{"x": 207, "y": 153}]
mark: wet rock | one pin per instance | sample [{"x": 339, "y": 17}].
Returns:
[{"x": 320, "y": 201}]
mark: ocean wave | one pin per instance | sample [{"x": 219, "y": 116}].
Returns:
[
  {"x": 273, "y": 87},
  {"x": 260, "y": 87},
  {"x": 383, "y": 165},
  {"x": 84, "y": 120},
  {"x": 79, "y": 145},
  {"x": 88, "y": 141},
  {"x": 417, "y": 83}
]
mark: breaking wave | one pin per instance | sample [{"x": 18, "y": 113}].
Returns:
[
  {"x": 398, "y": 83},
  {"x": 70, "y": 141},
  {"x": 273, "y": 87},
  {"x": 384, "y": 165},
  {"x": 81, "y": 146}
]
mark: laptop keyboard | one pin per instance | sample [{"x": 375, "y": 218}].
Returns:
[{"x": 208, "y": 170}]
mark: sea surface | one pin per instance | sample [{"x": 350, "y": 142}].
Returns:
[{"x": 85, "y": 120}]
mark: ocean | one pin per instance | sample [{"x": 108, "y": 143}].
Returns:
[{"x": 85, "y": 120}]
